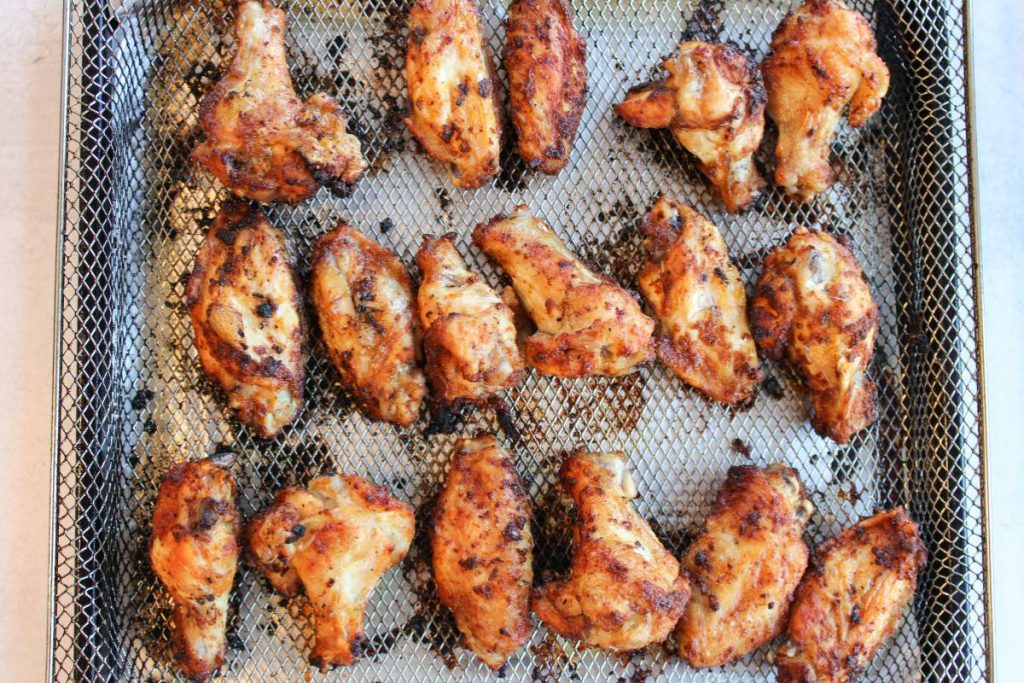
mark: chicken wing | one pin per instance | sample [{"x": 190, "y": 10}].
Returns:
[
  {"x": 745, "y": 565},
  {"x": 246, "y": 316},
  {"x": 262, "y": 141},
  {"x": 624, "y": 591},
  {"x": 823, "y": 58},
  {"x": 714, "y": 104},
  {"x": 194, "y": 552},
  {"x": 851, "y": 599},
  {"x": 363, "y": 298},
  {"x": 697, "y": 295},
  {"x": 587, "y": 324},
  {"x": 812, "y": 302},
  {"x": 482, "y": 547},
  {"x": 469, "y": 335},
  {"x": 547, "y": 79},
  {"x": 455, "y": 111},
  {"x": 337, "y": 539}
]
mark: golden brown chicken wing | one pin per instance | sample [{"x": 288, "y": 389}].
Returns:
[
  {"x": 337, "y": 538},
  {"x": 469, "y": 337},
  {"x": 482, "y": 547},
  {"x": 587, "y": 324},
  {"x": 194, "y": 552},
  {"x": 812, "y": 302},
  {"x": 624, "y": 591},
  {"x": 262, "y": 141},
  {"x": 455, "y": 111},
  {"x": 823, "y": 58},
  {"x": 714, "y": 104},
  {"x": 745, "y": 565},
  {"x": 247, "y": 320},
  {"x": 364, "y": 301},
  {"x": 547, "y": 79},
  {"x": 851, "y": 599},
  {"x": 697, "y": 295}
]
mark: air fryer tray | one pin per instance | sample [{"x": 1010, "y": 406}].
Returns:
[{"x": 132, "y": 398}]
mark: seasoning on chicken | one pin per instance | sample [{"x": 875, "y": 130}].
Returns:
[
  {"x": 745, "y": 565},
  {"x": 624, "y": 590},
  {"x": 469, "y": 337},
  {"x": 482, "y": 550},
  {"x": 547, "y": 79},
  {"x": 713, "y": 103},
  {"x": 364, "y": 300},
  {"x": 194, "y": 553},
  {"x": 812, "y": 303},
  {"x": 697, "y": 295},
  {"x": 586, "y": 323},
  {"x": 262, "y": 141},
  {"x": 823, "y": 57},
  {"x": 337, "y": 538},
  {"x": 246, "y": 316},
  {"x": 851, "y": 599},
  {"x": 454, "y": 107}
]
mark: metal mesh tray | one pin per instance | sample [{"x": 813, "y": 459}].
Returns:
[{"x": 132, "y": 399}]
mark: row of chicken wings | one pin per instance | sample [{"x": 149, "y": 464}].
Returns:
[
  {"x": 812, "y": 305},
  {"x": 745, "y": 579},
  {"x": 823, "y": 58},
  {"x": 264, "y": 143}
]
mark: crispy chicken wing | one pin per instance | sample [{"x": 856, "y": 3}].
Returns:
[
  {"x": 624, "y": 591},
  {"x": 469, "y": 335},
  {"x": 364, "y": 301},
  {"x": 547, "y": 79},
  {"x": 247, "y": 320},
  {"x": 823, "y": 58},
  {"x": 812, "y": 302},
  {"x": 851, "y": 599},
  {"x": 336, "y": 538},
  {"x": 262, "y": 141},
  {"x": 482, "y": 547},
  {"x": 745, "y": 565},
  {"x": 194, "y": 552},
  {"x": 455, "y": 111},
  {"x": 587, "y": 324},
  {"x": 714, "y": 104},
  {"x": 697, "y": 295}
]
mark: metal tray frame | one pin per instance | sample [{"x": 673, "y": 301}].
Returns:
[{"x": 938, "y": 452}]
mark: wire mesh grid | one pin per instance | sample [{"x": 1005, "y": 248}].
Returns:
[{"x": 133, "y": 399}]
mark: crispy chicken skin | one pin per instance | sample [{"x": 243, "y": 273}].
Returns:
[
  {"x": 469, "y": 337},
  {"x": 547, "y": 80},
  {"x": 262, "y": 141},
  {"x": 194, "y": 552},
  {"x": 713, "y": 102},
  {"x": 812, "y": 302},
  {"x": 586, "y": 323},
  {"x": 696, "y": 293},
  {"x": 336, "y": 538},
  {"x": 482, "y": 550},
  {"x": 272, "y": 533},
  {"x": 745, "y": 565},
  {"x": 363, "y": 298},
  {"x": 455, "y": 112},
  {"x": 246, "y": 316},
  {"x": 624, "y": 591},
  {"x": 823, "y": 58},
  {"x": 851, "y": 599}
]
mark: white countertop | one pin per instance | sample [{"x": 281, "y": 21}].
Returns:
[{"x": 30, "y": 59}]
